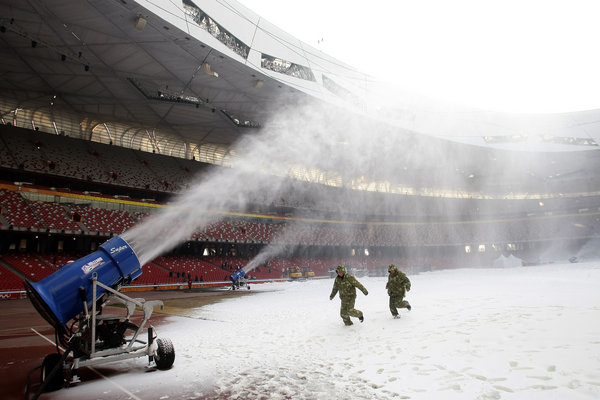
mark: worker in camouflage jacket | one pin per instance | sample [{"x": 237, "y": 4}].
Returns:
[
  {"x": 346, "y": 284},
  {"x": 397, "y": 286}
]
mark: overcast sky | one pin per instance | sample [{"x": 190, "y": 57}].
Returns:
[{"x": 508, "y": 55}]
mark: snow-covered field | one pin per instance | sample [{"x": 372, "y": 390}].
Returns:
[{"x": 514, "y": 333}]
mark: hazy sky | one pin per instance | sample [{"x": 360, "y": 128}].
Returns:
[{"x": 510, "y": 55}]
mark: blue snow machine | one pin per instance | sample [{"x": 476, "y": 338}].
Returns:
[
  {"x": 239, "y": 280},
  {"x": 72, "y": 300}
]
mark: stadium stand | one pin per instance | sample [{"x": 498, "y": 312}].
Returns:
[
  {"x": 54, "y": 216},
  {"x": 102, "y": 221},
  {"x": 90, "y": 206},
  {"x": 17, "y": 211},
  {"x": 9, "y": 281}
]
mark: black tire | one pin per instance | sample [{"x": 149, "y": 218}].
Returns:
[
  {"x": 57, "y": 381},
  {"x": 165, "y": 354}
]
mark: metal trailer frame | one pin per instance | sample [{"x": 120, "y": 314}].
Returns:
[{"x": 160, "y": 352}]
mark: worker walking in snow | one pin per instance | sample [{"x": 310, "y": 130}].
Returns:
[
  {"x": 346, "y": 284},
  {"x": 397, "y": 286}
]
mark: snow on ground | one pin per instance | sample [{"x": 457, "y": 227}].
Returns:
[{"x": 515, "y": 333}]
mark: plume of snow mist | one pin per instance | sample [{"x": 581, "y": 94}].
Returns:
[
  {"x": 205, "y": 203},
  {"x": 270, "y": 251},
  {"x": 305, "y": 137},
  {"x": 589, "y": 251},
  {"x": 333, "y": 149}
]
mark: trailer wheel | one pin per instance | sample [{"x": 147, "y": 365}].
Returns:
[
  {"x": 57, "y": 381},
  {"x": 165, "y": 354}
]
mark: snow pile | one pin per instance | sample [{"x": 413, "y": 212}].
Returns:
[{"x": 511, "y": 333}]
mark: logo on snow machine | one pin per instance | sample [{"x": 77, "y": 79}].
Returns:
[
  {"x": 87, "y": 268},
  {"x": 114, "y": 250}
]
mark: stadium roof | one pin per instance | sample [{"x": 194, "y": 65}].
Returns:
[{"x": 117, "y": 61}]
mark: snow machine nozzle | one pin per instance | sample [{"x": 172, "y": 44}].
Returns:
[{"x": 67, "y": 292}]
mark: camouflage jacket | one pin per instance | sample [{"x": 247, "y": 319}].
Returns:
[
  {"x": 397, "y": 284},
  {"x": 347, "y": 285}
]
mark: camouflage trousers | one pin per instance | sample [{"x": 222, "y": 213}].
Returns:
[
  {"x": 347, "y": 310},
  {"x": 397, "y": 302}
]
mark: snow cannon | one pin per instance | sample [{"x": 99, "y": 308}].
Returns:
[
  {"x": 72, "y": 300},
  {"x": 66, "y": 293},
  {"x": 240, "y": 273},
  {"x": 238, "y": 279}
]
